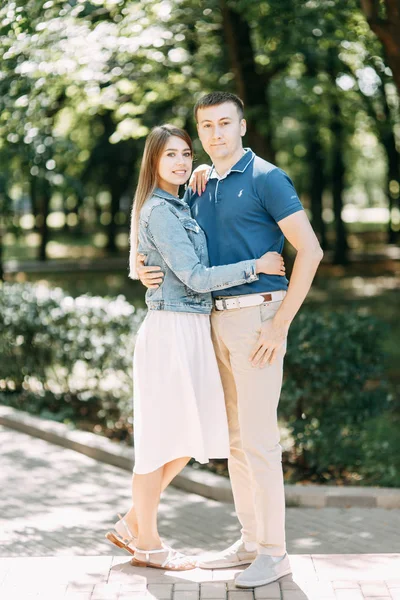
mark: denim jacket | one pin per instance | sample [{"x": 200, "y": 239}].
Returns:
[{"x": 173, "y": 240}]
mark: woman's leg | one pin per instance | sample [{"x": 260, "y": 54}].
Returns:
[
  {"x": 169, "y": 471},
  {"x": 146, "y": 490}
]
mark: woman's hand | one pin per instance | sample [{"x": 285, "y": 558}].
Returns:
[
  {"x": 198, "y": 179},
  {"x": 271, "y": 263}
]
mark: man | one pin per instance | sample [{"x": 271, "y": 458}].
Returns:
[{"x": 249, "y": 207}]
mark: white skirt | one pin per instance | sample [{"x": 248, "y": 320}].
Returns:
[{"x": 179, "y": 407}]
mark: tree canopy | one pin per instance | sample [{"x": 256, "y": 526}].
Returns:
[{"x": 82, "y": 83}]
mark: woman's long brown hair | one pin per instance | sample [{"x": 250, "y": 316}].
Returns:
[{"x": 148, "y": 179}]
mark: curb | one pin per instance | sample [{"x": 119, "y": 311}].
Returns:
[{"x": 195, "y": 481}]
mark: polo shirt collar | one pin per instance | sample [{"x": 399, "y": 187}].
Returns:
[{"x": 238, "y": 167}]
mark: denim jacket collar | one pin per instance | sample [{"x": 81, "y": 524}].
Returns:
[{"x": 167, "y": 196}]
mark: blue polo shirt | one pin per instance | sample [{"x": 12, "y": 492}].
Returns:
[{"x": 239, "y": 214}]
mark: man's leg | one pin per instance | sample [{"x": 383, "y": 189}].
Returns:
[
  {"x": 258, "y": 391},
  {"x": 237, "y": 463}
]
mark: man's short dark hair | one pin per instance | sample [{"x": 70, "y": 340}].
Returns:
[{"x": 217, "y": 98}]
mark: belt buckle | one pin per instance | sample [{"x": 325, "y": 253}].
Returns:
[{"x": 224, "y": 306}]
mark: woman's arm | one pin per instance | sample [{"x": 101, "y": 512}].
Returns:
[
  {"x": 172, "y": 241},
  {"x": 199, "y": 177}
]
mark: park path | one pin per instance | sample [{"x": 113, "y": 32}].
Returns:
[{"x": 56, "y": 504}]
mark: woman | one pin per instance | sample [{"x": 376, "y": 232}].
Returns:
[{"x": 179, "y": 406}]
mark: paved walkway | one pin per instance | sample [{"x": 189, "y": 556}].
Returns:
[{"x": 56, "y": 504}]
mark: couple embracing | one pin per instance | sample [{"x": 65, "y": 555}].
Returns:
[{"x": 209, "y": 355}]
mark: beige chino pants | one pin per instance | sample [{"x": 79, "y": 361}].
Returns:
[{"x": 251, "y": 397}]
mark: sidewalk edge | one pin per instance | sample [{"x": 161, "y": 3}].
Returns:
[{"x": 196, "y": 481}]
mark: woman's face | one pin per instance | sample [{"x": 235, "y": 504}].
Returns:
[{"x": 175, "y": 164}]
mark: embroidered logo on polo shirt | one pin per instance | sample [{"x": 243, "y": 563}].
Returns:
[{"x": 240, "y": 193}]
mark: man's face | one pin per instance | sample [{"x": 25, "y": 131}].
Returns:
[{"x": 220, "y": 130}]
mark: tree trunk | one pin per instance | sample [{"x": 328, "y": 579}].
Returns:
[
  {"x": 338, "y": 168},
  {"x": 112, "y": 227},
  {"x": 34, "y": 200},
  {"x": 387, "y": 30},
  {"x": 338, "y": 172},
  {"x": 385, "y": 125},
  {"x": 317, "y": 185},
  {"x": 316, "y": 163},
  {"x": 393, "y": 166},
  {"x": 44, "y": 201},
  {"x": 1, "y": 255},
  {"x": 79, "y": 229},
  {"x": 252, "y": 87}
]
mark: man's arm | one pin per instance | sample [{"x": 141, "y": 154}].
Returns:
[
  {"x": 151, "y": 277},
  {"x": 298, "y": 231},
  {"x": 171, "y": 240}
]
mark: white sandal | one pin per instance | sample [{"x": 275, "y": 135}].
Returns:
[
  {"x": 125, "y": 538},
  {"x": 175, "y": 561}
]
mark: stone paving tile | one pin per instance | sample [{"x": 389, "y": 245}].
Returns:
[
  {"x": 186, "y": 595},
  {"x": 162, "y": 591},
  {"x": 135, "y": 596},
  {"x": 288, "y": 583},
  {"x": 293, "y": 595},
  {"x": 186, "y": 587},
  {"x": 318, "y": 590},
  {"x": 106, "y": 591},
  {"x": 78, "y": 595},
  {"x": 359, "y": 567},
  {"x": 227, "y": 575},
  {"x": 374, "y": 588},
  {"x": 213, "y": 590},
  {"x": 350, "y": 594},
  {"x": 133, "y": 587},
  {"x": 304, "y": 568},
  {"x": 267, "y": 591},
  {"x": 80, "y": 587},
  {"x": 241, "y": 595}
]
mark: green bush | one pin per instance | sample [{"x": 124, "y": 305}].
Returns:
[
  {"x": 333, "y": 386},
  {"x": 67, "y": 358},
  {"x": 380, "y": 444},
  {"x": 71, "y": 360}
]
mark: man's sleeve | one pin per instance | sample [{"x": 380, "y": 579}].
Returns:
[
  {"x": 172, "y": 241},
  {"x": 279, "y": 195}
]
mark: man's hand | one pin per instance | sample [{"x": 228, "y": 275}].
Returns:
[
  {"x": 272, "y": 338},
  {"x": 151, "y": 277},
  {"x": 199, "y": 178}
]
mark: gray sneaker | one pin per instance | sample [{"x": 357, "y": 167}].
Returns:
[
  {"x": 262, "y": 571},
  {"x": 234, "y": 556}
]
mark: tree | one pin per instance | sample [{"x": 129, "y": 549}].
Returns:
[{"x": 383, "y": 16}]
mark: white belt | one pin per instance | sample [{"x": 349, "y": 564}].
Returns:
[{"x": 248, "y": 300}]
